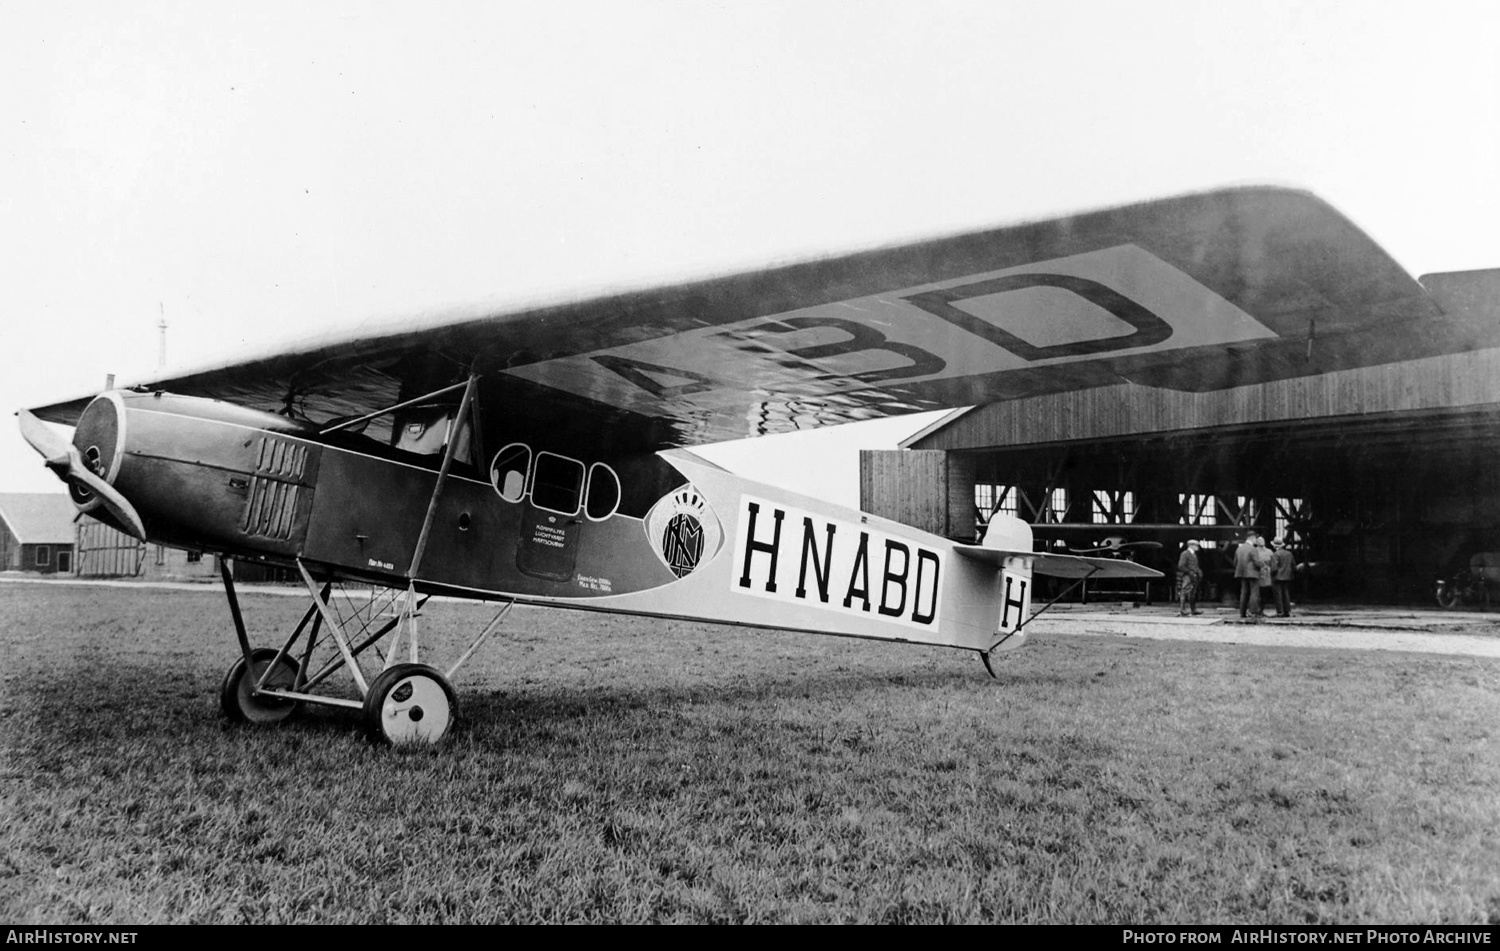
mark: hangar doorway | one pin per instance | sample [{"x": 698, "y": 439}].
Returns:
[
  {"x": 1375, "y": 509},
  {"x": 1385, "y": 478}
]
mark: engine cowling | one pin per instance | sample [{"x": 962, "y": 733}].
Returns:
[{"x": 201, "y": 473}]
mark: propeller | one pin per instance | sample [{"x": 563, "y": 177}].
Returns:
[
  {"x": 62, "y": 457},
  {"x": 1114, "y": 543}
]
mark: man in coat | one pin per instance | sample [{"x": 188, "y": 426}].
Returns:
[
  {"x": 1247, "y": 573},
  {"x": 1262, "y": 556},
  {"x": 1189, "y": 579},
  {"x": 1282, "y": 568}
]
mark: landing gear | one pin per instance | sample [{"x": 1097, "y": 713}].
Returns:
[
  {"x": 240, "y": 697},
  {"x": 409, "y": 704},
  {"x": 1466, "y": 587},
  {"x": 405, "y": 703}
]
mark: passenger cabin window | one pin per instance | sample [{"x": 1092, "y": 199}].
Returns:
[
  {"x": 604, "y": 492},
  {"x": 557, "y": 484},
  {"x": 508, "y": 471}
]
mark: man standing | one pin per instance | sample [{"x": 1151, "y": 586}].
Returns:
[
  {"x": 1282, "y": 568},
  {"x": 1248, "y": 576},
  {"x": 1189, "y": 578},
  {"x": 1262, "y": 556}
]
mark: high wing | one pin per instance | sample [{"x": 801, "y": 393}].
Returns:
[{"x": 1200, "y": 292}]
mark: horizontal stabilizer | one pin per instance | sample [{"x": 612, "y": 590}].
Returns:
[{"x": 1061, "y": 566}]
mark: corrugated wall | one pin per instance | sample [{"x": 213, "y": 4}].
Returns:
[
  {"x": 910, "y": 486},
  {"x": 105, "y": 552},
  {"x": 960, "y": 493}
]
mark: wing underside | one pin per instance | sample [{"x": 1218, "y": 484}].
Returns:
[{"x": 1195, "y": 293}]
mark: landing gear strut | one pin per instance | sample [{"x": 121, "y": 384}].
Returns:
[{"x": 406, "y": 703}]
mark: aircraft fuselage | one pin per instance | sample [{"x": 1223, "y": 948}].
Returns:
[{"x": 666, "y": 534}]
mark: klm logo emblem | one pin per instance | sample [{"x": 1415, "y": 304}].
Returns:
[{"x": 803, "y": 558}]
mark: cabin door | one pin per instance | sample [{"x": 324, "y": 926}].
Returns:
[{"x": 551, "y": 519}]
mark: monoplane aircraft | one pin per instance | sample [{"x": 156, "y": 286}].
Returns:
[{"x": 537, "y": 453}]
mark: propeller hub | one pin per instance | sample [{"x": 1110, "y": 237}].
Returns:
[{"x": 100, "y": 440}]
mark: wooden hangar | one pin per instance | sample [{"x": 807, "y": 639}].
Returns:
[{"x": 1383, "y": 478}]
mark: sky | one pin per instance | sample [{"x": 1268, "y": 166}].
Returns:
[{"x": 260, "y": 172}]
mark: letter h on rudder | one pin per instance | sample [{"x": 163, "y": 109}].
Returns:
[{"x": 1019, "y": 602}]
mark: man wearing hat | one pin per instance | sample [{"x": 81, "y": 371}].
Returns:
[
  {"x": 1189, "y": 578},
  {"x": 1247, "y": 576},
  {"x": 1282, "y": 566}
]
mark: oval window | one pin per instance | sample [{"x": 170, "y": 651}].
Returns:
[
  {"x": 604, "y": 492},
  {"x": 508, "y": 471}
]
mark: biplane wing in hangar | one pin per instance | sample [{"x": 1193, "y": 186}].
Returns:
[{"x": 537, "y": 453}]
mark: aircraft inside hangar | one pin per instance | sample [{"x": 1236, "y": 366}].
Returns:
[{"x": 1382, "y": 478}]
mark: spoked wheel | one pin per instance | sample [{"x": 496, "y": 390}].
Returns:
[
  {"x": 410, "y": 704},
  {"x": 237, "y": 697}
]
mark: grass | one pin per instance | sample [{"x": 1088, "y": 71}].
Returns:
[{"x": 620, "y": 769}]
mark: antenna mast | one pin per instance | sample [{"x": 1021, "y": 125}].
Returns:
[{"x": 161, "y": 345}]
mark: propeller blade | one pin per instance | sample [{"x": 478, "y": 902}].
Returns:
[
  {"x": 62, "y": 457},
  {"x": 44, "y": 439},
  {"x": 1114, "y": 545},
  {"x": 116, "y": 503}
]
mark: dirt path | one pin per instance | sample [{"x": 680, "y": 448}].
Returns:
[
  {"x": 1342, "y": 626},
  {"x": 1350, "y": 627}
]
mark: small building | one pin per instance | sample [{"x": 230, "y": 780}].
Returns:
[
  {"x": 45, "y": 533},
  {"x": 36, "y": 532},
  {"x": 107, "y": 552}
]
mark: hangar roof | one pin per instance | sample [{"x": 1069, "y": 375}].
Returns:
[
  {"x": 1463, "y": 382},
  {"x": 38, "y": 518}
]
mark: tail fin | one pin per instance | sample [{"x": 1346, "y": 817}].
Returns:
[{"x": 1007, "y": 546}]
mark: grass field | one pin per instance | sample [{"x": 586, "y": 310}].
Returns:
[{"x": 617, "y": 769}]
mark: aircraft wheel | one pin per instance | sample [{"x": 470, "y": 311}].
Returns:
[
  {"x": 1456, "y": 590},
  {"x": 410, "y": 704},
  {"x": 1448, "y": 597},
  {"x": 236, "y": 696}
]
